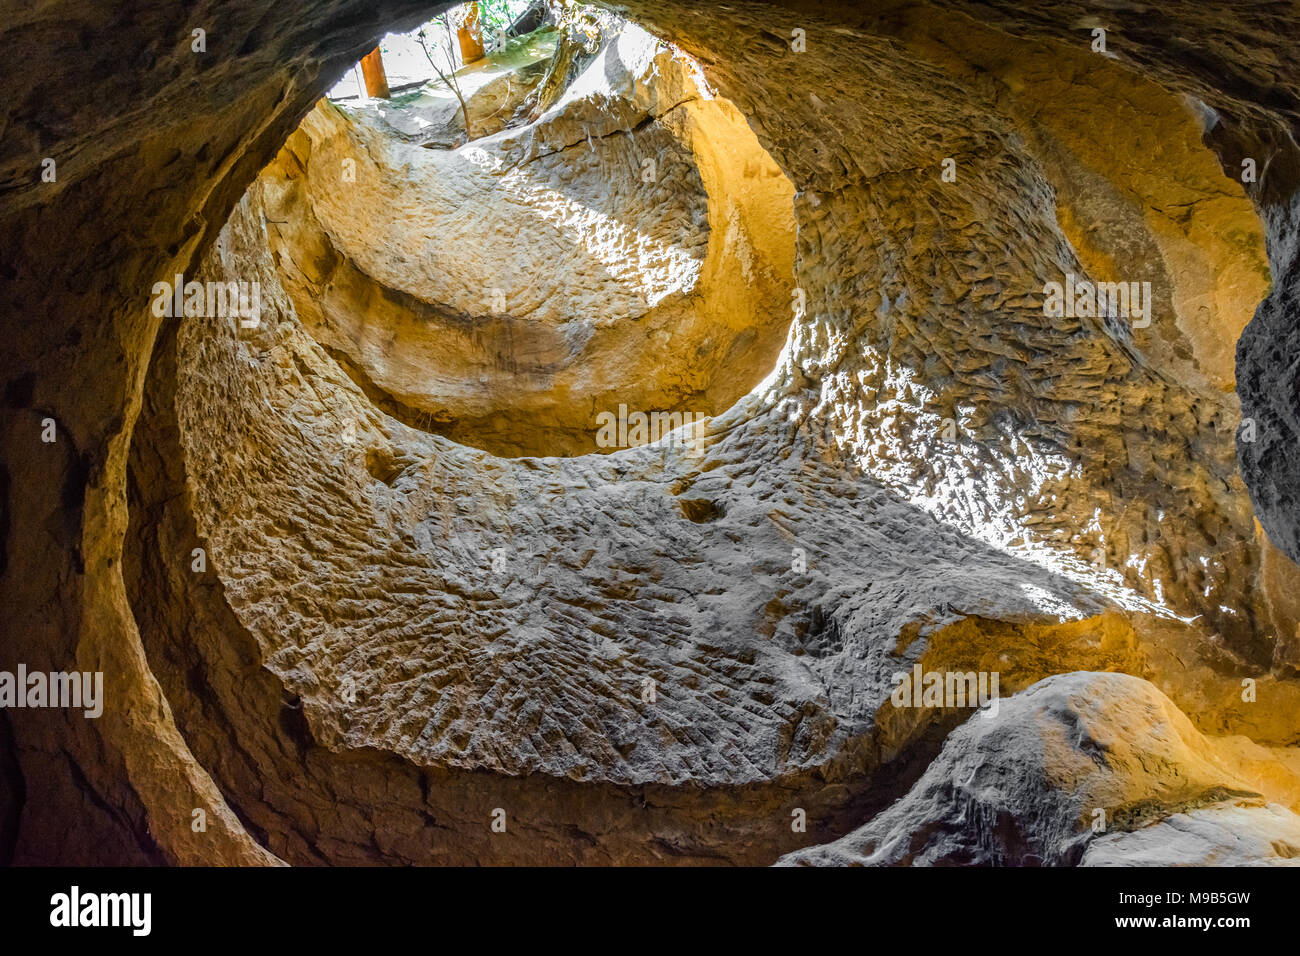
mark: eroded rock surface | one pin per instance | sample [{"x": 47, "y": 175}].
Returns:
[
  {"x": 657, "y": 654},
  {"x": 634, "y": 246},
  {"x": 1232, "y": 833},
  {"x": 1076, "y": 769}
]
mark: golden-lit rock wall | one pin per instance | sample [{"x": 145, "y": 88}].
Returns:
[{"x": 633, "y": 246}]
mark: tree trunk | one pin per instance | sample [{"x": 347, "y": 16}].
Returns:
[
  {"x": 469, "y": 32},
  {"x": 372, "y": 68}
]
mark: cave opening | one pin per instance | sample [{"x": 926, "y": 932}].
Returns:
[{"x": 605, "y": 258}]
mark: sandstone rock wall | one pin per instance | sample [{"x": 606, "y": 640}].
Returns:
[
  {"x": 1028, "y": 787},
  {"x": 353, "y": 680},
  {"x": 634, "y": 246}
]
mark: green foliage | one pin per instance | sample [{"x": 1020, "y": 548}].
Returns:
[{"x": 497, "y": 15}]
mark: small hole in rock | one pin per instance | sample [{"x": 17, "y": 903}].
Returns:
[
  {"x": 382, "y": 465},
  {"x": 701, "y": 510}
]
